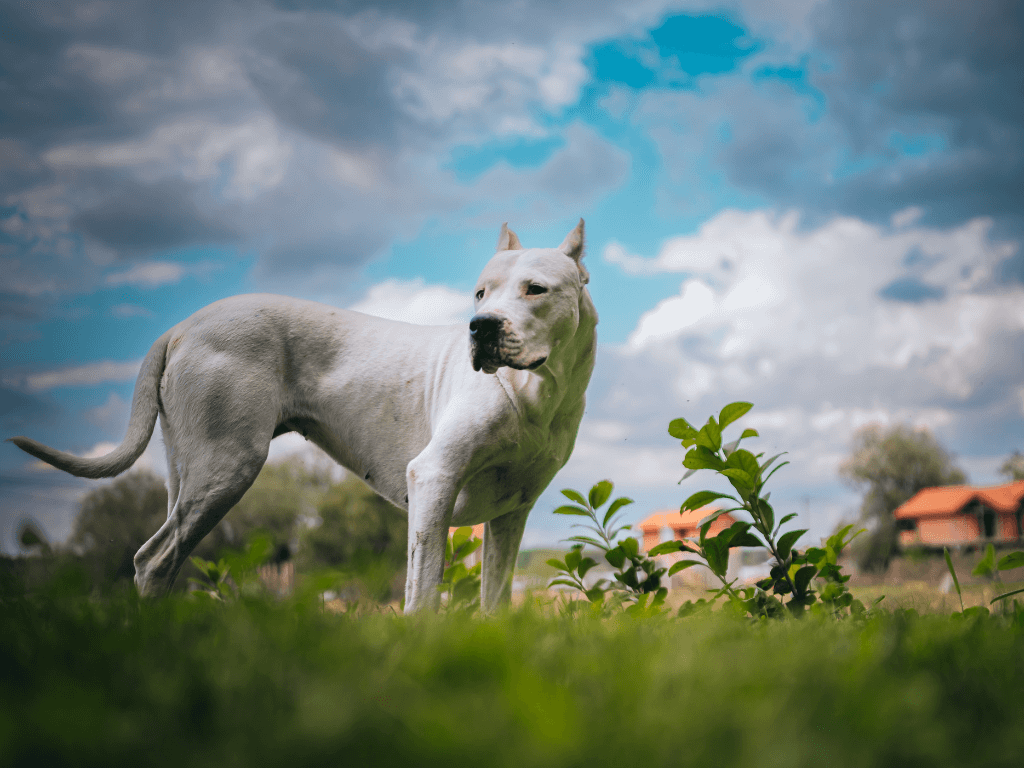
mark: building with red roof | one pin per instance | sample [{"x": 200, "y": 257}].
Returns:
[
  {"x": 960, "y": 515},
  {"x": 683, "y": 526}
]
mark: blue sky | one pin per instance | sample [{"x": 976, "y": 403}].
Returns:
[{"x": 811, "y": 205}]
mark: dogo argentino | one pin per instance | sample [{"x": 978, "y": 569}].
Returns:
[{"x": 456, "y": 433}]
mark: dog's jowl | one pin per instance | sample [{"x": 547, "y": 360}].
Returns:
[{"x": 457, "y": 425}]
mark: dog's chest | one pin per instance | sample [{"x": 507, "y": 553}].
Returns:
[{"x": 515, "y": 481}]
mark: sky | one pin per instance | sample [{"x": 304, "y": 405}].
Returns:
[{"x": 813, "y": 206}]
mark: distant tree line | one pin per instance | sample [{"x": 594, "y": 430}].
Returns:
[{"x": 310, "y": 518}]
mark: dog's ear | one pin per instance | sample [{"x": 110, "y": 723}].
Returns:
[
  {"x": 508, "y": 240},
  {"x": 572, "y": 247}
]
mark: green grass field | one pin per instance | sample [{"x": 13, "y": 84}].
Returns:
[{"x": 182, "y": 681}]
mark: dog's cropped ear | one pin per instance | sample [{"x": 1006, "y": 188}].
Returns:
[
  {"x": 572, "y": 247},
  {"x": 508, "y": 240}
]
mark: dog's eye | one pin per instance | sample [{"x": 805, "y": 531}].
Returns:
[
  {"x": 534, "y": 290},
  {"x": 480, "y": 294}
]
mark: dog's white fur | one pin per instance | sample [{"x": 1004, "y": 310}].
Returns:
[{"x": 457, "y": 428}]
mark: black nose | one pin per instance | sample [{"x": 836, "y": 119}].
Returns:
[{"x": 484, "y": 327}]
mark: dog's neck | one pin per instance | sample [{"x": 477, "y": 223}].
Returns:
[{"x": 562, "y": 381}]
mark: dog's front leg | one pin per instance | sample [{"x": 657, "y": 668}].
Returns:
[{"x": 432, "y": 493}]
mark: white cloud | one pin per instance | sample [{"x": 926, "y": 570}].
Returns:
[
  {"x": 127, "y": 311},
  {"x": 256, "y": 153},
  {"x": 764, "y": 289},
  {"x": 416, "y": 302},
  {"x": 112, "y": 415},
  {"x": 149, "y": 275},
  {"x": 795, "y": 321},
  {"x": 87, "y": 375}
]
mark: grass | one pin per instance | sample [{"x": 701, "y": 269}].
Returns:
[{"x": 87, "y": 680}]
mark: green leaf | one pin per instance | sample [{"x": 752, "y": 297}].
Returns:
[
  {"x": 787, "y": 540},
  {"x": 749, "y": 433},
  {"x": 1007, "y": 594},
  {"x": 803, "y": 577},
  {"x": 681, "y": 565},
  {"x": 766, "y": 512},
  {"x": 576, "y": 496},
  {"x": 987, "y": 564},
  {"x": 568, "y": 509},
  {"x": 777, "y": 468},
  {"x": 666, "y": 547},
  {"x": 702, "y": 499},
  {"x": 564, "y": 583},
  {"x": 743, "y": 480},
  {"x": 686, "y": 474},
  {"x": 585, "y": 565},
  {"x": 630, "y": 546},
  {"x": 616, "y": 557},
  {"x": 956, "y": 581},
  {"x": 618, "y": 504},
  {"x": 731, "y": 412},
  {"x": 1010, "y": 561},
  {"x": 558, "y": 565},
  {"x": 743, "y": 459},
  {"x": 681, "y": 429},
  {"x": 573, "y": 559},
  {"x": 600, "y": 492},
  {"x": 587, "y": 540},
  {"x": 746, "y": 539},
  {"x": 710, "y": 436},
  {"x": 595, "y": 594},
  {"x": 468, "y": 548},
  {"x": 717, "y": 552},
  {"x": 786, "y": 518},
  {"x": 699, "y": 457}
]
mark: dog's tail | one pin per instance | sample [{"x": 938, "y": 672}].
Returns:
[{"x": 140, "y": 426}]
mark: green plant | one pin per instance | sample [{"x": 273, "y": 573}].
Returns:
[
  {"x": 460, "y": 585},
  {"x": 798, "y": 580},
  {"x": 636, "y": 580},
  {"x": 988, "y": 566},
  {"x": 235, "y": 573}
]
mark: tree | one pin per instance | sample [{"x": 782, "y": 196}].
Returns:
[
  {"x": 358, "y": 532},
  {"x": 1013, "y": 467},
  {"x": 116, "y": 520},
  {"x": 891, "y": 465}
]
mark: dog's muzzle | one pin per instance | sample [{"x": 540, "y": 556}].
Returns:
[
  {"x": 485, "y": 334},
  {"x": 493, "y": 346}
]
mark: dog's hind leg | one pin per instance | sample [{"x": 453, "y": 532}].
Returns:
[
  {"x": 173, "y": 478},
  {"x": 217, "y": 442},
  {"x": 207, "y": 491},
  {"x": 502, "y": 537}
]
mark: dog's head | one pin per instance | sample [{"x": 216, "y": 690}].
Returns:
[{"x": 527, "y": 302}]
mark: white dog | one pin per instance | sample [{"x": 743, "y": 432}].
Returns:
[{"x": 456, "y": 430}]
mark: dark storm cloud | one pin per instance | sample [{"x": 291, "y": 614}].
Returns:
[
  {"x": 149, "y": 218},
  {"x": 317, "y": 77},
  {"x": 951, "y": 69}
]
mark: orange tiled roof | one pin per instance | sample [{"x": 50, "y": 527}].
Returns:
[
  {"x": 947, "y": 500},
  {"x": 672, "y": 519}
]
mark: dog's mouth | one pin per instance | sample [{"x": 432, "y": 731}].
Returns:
[{"x": 491, "y": 361}]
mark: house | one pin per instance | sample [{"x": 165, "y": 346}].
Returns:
[
  {"x": 683, "y": 525},
  {"x": 961, "y": 515}
]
